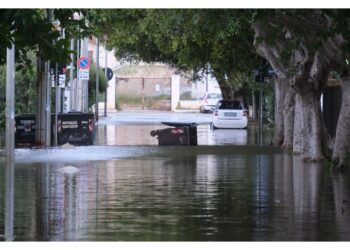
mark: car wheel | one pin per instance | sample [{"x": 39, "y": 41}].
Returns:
[{"x": 212, "y": 126}]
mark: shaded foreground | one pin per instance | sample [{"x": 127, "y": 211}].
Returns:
[{"x": 204, "y": 193}]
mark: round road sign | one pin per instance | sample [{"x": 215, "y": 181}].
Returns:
[
  {"x": 109, "y": 73},
  {"x": 84, "y": 62}
]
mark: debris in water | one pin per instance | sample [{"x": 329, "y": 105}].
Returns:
[
  {"x": 67, "y": 146},
  {"x": 70, "y": 170}
]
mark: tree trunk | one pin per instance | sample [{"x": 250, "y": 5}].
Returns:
[
  {"x": 298, "y": 127},
  {"x": 254, "y": 113},
  {"x": 288, "y": 112},
  {"x": 311, "y": 129},
  {"x": 342, "y": 137},
  {"x": 280, "y": 92},
  {"x": 227, "y": 92},
  {"x": 40, "y": 114}
]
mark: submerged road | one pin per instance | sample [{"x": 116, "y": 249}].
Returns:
[{"x": 145, "y": 116}]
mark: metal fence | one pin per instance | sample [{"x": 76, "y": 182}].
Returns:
[{"x": 143, "y": 93}]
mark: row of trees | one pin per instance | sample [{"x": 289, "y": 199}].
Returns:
[{"x": 302, "y": 46}]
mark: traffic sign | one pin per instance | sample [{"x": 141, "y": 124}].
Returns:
[
  {"x": 84, "y": 62},
  {"x": 109, "y": 73},
  {"x": 61, "y": 80},
  {"x": 83, "y": 74}
]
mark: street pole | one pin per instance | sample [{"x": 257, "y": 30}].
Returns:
[
  {"x": 71, "y": 78},
  {"x": 85, "y": 82},
  {"x": 77, "y": 89},
  {"x": 143, "y": 93},
  {"x": 47, "y": 104},
  {"x": 63, "y": 90},
  {"x": 207, "y": 80},
  {"x": 56, "y": 104},
  {"x": 97, "y": 77},
  {"x": 260, "y": 111},
  {"x": 10, "y": 143},
  {"x": 105, "y": 108},
  {"x": 10, "y": 103}
]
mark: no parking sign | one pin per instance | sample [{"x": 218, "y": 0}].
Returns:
[
  {"x": 84, "y": 66},
  {"x": 84, "y": 62}
]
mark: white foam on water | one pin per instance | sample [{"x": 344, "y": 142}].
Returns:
[
  {"x": 69, "y": 170},
  {"x": 82, "y": 153}
]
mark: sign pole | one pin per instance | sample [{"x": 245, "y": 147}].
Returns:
[
  {"x": 71, "y": 78},
  {"x": 77, "y": 105},
  {"x": 56, "y": 105},
  {"x": 85, "y": 81},
  {"x": 97, "y": 77},
  {"x": 10, "y": 143},
  {"x": 105, "y": 108},
  {"x": 10, "y": 103}
]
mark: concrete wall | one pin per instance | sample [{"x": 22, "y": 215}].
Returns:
[{"x": 175, "y": 92}]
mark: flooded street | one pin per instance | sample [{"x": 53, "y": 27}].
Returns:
[{"x": 127, "y": 188}]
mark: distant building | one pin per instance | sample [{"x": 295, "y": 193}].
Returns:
[{"x": 145, "y": 79}]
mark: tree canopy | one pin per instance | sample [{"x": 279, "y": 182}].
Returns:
[
  {"x": 31, "y": 29},
  {"x": 192, "y": 40}
]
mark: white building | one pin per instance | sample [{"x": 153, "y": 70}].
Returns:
[{"x": 105, "y": 58}]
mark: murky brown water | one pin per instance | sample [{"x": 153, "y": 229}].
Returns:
[{"x": 226, "y": 189}]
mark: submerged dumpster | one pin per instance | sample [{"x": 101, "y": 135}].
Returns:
[
  {"x": 75, "y": 128},
  {"x": 25, "y": 130},
  {"x": 180, "y": 134}
]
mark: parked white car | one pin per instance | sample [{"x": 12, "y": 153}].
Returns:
[
  {"x": 230, "y": 114},
  {"x": 209, "y": 101}
]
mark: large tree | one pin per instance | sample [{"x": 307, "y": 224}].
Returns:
[
  {"x": 195, "y": 41},
  {"x": 300, "y": 48}
]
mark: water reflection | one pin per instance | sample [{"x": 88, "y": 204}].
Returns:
[
  {"x": 139, "y": 134},
  {"x": 62, "y": 202},
  {"x": 342, "y": 204},
  {"x": 9, "y": 200},
  {"x": 181, "y": 194}
]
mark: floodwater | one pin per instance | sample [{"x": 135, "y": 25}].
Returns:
[{"x": 129, "y": 189}]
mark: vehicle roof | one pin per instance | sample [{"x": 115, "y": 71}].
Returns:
[{"x": 229, "y": 101}]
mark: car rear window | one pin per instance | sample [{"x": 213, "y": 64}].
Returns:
[
  {"x": 214, "y": 96},
  {"x": 231, "y": 105}
]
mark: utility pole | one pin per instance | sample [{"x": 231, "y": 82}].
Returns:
[
  {"x": 76, "y": 102},
  {"x": 10, "y": 143},
  {"x": 85, "y": 82},
  {"x": 47, "y": 102},
  {"x": 10, "y": 103},
  {"x": 71, "y": 86},
  {"x": 97, "y": 77},
  {"x": 48, "y": 106},
  {"x": 77, "y": 88},
  {"x": 105, "y": 111},
  {"x": 57, "y": 100},
  {"x": 207, "y": 79},
  {"x": 143, "y": 93}
]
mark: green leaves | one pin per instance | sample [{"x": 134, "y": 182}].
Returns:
[{"x": 30, "y": 29}]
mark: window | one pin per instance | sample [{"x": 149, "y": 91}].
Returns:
[
  {"x": 214, "y": 96},
  {"x": 231, "y": 105}
]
